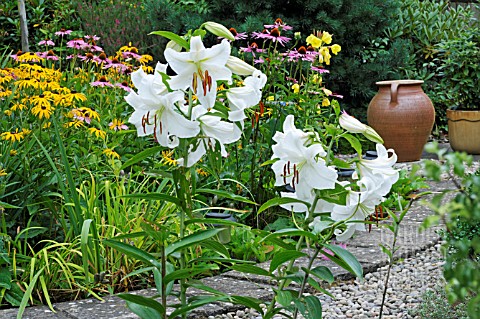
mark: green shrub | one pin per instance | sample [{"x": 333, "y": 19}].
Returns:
[
  {"x": 421, "y": 26},
  {"x": 44, "y": 18},
  {"x": 435, "y": 305}
]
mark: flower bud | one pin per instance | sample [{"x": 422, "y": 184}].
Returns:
[
  {"x": 240, "y": 67},
  {"x": 372, "y": 135},
  {"x": 352, "y": 125},
  {"x": 219, "y": 30},
  {"x": 174, "y": 45},
  {"x": 297, "y": 35}
]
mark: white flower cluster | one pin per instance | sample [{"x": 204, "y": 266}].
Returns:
[
  {"x": 164, "y": 109},
  {"x": 301, "y": 164}
]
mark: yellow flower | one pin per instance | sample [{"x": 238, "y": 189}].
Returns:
[
  {"x": 336, "y": 48},
  {"x": 3, "y": 172},
  {"x": 26, "y": 83},
  {"x": 327, "y": 91},
  {"x": 111, "y": 153},
  {"x": 117, "y": 125},
  {"x": 326, "y": 37},
  {"x": 147, "y": 69},
  {"x": 325, "y": 54},
  {"x": 5, "y": 77},
  {"x": 75, "y": 124},
  {"x": 42, "y": 99},
  {"x": 270, "y": 98},
  {"x": 12, "y": 136},
  {"x": 317, "y": 79},
  {"x": 75, "y": 96},
  {"x": 46, "y": 125},
  {"x": 13, "y": 152},
  {"x": 325, "y": 102},
  {"x": 146, "y": 58},
  {"x": 201, "y": 172},
  {"x": 5, "y": 93},
  {"x": 167, "y": 157},
  {"x": 98, "y": 133},
  {"x": 296, "y": 88},
  {"x": 26, "y": 131},
  {"x": 314, "y": 41},
  {"x": 7, "y": 112},
  {"x": 42, "y": 111},
  {"x": 29, "y": 57},
  {"x": 18, "y": 106}
]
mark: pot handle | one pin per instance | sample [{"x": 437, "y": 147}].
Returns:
[{"x": 393, "y": 92}]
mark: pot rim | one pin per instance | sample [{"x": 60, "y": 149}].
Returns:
[{"x": 400, "y": 82}]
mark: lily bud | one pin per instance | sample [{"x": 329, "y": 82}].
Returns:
[
  {"x": 372, "y": 135},
  {"x": 174, "y": 45},
  {"x": 352, "y": 125},
  {"x": 219, "y": 30},
  {"x": 240, "y": 67}
]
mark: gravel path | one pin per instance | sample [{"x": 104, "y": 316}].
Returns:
[{"x": 409, "y": 279}]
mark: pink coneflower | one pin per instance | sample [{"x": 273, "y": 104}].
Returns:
[
  {"x": 252, "y": 48},
  {"x": 117, "y": 125},
  {"x": 48, "y": 55},
  {"x": 102, "y": 82},
  {"x": 63, "y": 32},
  {"x": 88, "y": 57},
  {"x": 238, "y": 35},
  {"x": 274, "y": 36},
  {"x": 300, "y": 54},
  {"x": 92, "y": 37},
  {"x": 77, "y": 43},
  {"x": 319, "y": 69},
  {"x": 102, "y": 58},
  {"x": 131, "y": 55},
  {"x": 260, "y": 60},
  {"x": 124, "y": 86},
  {"x": 47, "y": 42},
  {"x": 279, "y": 24},
  {"x": 114, "y": 63}
]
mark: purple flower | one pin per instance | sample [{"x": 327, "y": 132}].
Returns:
[
  {"x": 48, "y": 55},
  {"x": 132, "y": 55},
  {"x": 300, "y": 54},
  {"x": 63, "y": 32},
  {"x": 124, "y": 86},
  {"x": 47, "y": 42},
  {"x": 92, "y": 37},
  {"x": 78, "y": 44},
  {"x": 319, "y": 69},
  {"x": 102, "y": 82},
  {"x": 252, "y": 48},
  {"x": 279, "y": 25},
  {"x": 274, "y": 36}
]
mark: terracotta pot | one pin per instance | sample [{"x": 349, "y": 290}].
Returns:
[
  {"x": 403, "y": 115},
  {"x": 464, "y": 131}
]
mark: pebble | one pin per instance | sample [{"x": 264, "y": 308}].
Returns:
[{"x": 409, "y": 279}]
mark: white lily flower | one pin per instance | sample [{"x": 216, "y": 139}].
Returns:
[
  {"x": 200, "y": 69},
  {"x": 289, "y": 127},
  {"x": 301, "y": 166},
  {"x": 241, "y": 98},
  {"x": 213, "y": 130},
  {"x": 150, "y": 84},
  {"x": 359, "y": 206},
  {"x": 380, "y": 169},
  {"x": 352, "y": 125},
  {"x": 157, "y": 114},
  {"x": 240, "y": 67}
]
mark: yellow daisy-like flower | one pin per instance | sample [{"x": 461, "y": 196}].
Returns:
[
  {"x": 13, "y": 152},
  {"x": 111, "y": 153},
  {"x": 117, "y": 125},
  {"x": 314, "y": 41},
  {"x": 75, "y": 124},
  {"x": 48, "y": 85},
  {"x": 146, "y": 58},
  {"x": 326, "y": 37},
  {"x": 270, "y": 98},
  {"x": 325, "y": 102},
  {"x": 317, "y": 79},
  {"x": 8, "y": 112},
  {"x": 75, "y": 96},
  {"x": 97, "y": 132},
  {"x": 167, "y": 157},
  {"x": 27, "y": 83},
  {"x": 147, "y": 68},
  {"x": 46, "y": 125},
  {"x": 42, "y": 111},
  {"x": 3, "y": 172},
  {"x": 128, "y": 48},
  {"x": 26, "y": 131},
  {"x": 12, "y": 136},
  {"x": 336, "y": 48},
  {"x": 18, "y": 106},
  {"x": 42, "y": 99},
  {"x": 5, "y": 93},
  {"x": 29, "y": 57},
  {"x": 5, "y": 77},
  {"x": 201, "y": 172}
]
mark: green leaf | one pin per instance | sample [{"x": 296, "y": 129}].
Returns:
[
  {"x": 225, "y": 194},
  {"x": 284, "y": 256},
  {"x": 187, "y": 273},
  {"x": 290, "y": 232},
  {"x": 133, "y": 252},
  {"x": 28, "y": 293},
  {"x": 313, "y": 307},
  {"x": 174, "y": 37},
  {"x": 387, "y": 251},
  {"x": 284, "y": 297},
  {"x": 155, "y": 196},
  {"x": 6, "y": 205},
  {"x": 250, "y": 269},
  {"x": 146, "y": 306},
  {"x": 213, "y": 221},
  {"x": 14, "y": 295},
  {"x": 248, "y": 302},
  {"x": 193, "y": 239},
  {"x": 345, "y": 259},
  {"x": 216, "y": 246},
  {"x": 280, "y": 201},
  {"x": 354, "y": 142},
  {"x": 201, "y": 300},
  {"x": 5, "y": 278},
  {"x": 323, "y": 273},
  {"x": 141, "y": 156}
]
